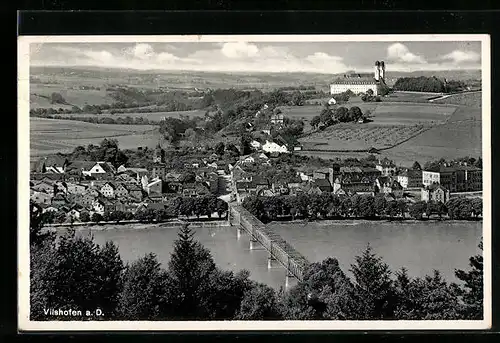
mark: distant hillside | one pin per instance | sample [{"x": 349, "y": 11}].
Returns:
[{"x": 200, "y": 79}]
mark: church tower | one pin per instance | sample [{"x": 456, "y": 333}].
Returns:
[
  {"x": 159, "y": 155},
  {"x": 382, "y": 70},
  {"x": 377, "y": 71}
]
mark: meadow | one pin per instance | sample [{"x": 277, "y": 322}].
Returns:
[
  {"x": 459, "y": 136},
  {"x": 40, "y": 95},
  {"x": 153, "y": 116},
  {"x": 472, "y": 99},
  {"x": 391, "y": 124},
  {"x": 49, "y": 136}
]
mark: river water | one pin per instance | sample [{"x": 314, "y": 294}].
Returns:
[{"x": 420, "y": 247}]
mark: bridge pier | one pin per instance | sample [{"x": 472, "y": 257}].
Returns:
[
  {"x": 253, "y": 241},
  {"x": 238, "y": 232},
  {"x": 270, "y": 259},
  {"x": 288, "y": 277}
]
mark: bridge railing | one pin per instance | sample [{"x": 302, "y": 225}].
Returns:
[{"x": 279, "y": 248}]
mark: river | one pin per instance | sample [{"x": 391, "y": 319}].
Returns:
[{"x": 420, "y": 247}]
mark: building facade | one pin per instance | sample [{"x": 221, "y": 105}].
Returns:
[{"x": 360, "y": 83}]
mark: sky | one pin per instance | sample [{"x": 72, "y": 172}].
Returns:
[{"x": 240, "y": 56}]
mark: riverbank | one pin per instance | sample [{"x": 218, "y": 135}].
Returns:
[
  {"x": 348, "y": 221},
  {"x": 135, "y": 225}
]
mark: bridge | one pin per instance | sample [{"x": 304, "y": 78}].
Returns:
[{"x": 278, "y": 249}]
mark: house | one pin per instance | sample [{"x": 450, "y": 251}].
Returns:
[
  {"x": 100, "y": 169},
  {"x": 60, "y": 187},
  {"x": 102, "y": 205},
  {"x": 134, "y": 191},
  {"x": 154, "y": 187},
  {"x": 306, "y": 177},
  {"x": 44, "y": 187},
  {"x": 472, "y": 176},
  {"x": 430, "y": 177},
  {"x": 314, "y": 190},
  {"x": 247, "y": 159},
  {"x": 108, "y": 190},
  {"x": 41, "y": 198},
  {"x": 194, "y": 189},
  {"x": 362, "y": 185},
  {"x": 93, "y": 191},
  {"x": 277, "y": 118},
  {"x": 50, "y": 209},
  {"x": 59, "y": 200},
  {"x": 435, "y": 192},
  {"x": 255, "y": 145},
  {"x": 386, "y": 166},
  {"x": 273, "y": 147},
  {"x": 268, "y": 193},
  {"x": 75, "y": 188},
  {"x": 324, "y": 185},
  {"x": 51, "y": 164},
  {"x": 410, "y": 179},
  {"x": 87, "y": 200},
  {"x": 324, "y": 174},
  {"x": 294, "y": 183},
  {"x": 388, "y": 185},
  {"x": 120, "y": 190},
  {"x": 75, "y": 211}
]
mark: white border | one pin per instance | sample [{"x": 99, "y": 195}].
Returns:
[{"x": 23, "y": 194}]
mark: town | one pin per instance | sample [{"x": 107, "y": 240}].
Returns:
[{"x": 84, "y": 191}]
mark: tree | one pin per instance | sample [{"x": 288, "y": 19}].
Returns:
[
  {"x": 472, "y": 289},
  {"x": 380, "y": 204},
  {"x": 325, "y": 116},
  {"x": 219, "y": 148},
  {"x": 315, "y": 121},
  {"x": 232, "y": 149},
  {"x": 37, "y": 219},
  {"x": 342, "y": 114},
  {"x": 84, "y": 216},
  {"x": 298, "y": 98},
  {"x": 81, "y": 276},
  {"x": 222, "y": 297},
  {"x": 417, "y": 209},
  {"x": 370, "y": 92},
  {"x": 221, "y": 207},
  {"x": 416, "y": 166},
  {"x": 373, "y": 286},
  {"x": 259, "y": 303},
  {"x": 57, "y": 98},
  {"x": 354, "y": 113},
  {"x": 254, "y": 205},
  {"x": 145, "y": 292},
  {"x": 96, "y": 217},
  {"x": 190, "y": 267},
  {"x": 246, "y": 148}
]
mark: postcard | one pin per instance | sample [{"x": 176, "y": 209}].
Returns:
[{"x": 221, "y": 183}]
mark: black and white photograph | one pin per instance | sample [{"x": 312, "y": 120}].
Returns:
[{"x": 307, "y": 182}]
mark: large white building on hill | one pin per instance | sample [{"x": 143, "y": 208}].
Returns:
[{"x": 360, "y": 83}]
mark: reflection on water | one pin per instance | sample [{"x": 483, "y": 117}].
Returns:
[{"x": 420, "y": 247}]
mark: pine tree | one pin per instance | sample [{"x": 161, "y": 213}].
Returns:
[
  {"x": 189, "y": 268},
  {"x": 144, "y": 290},
  {"x": 374, "y": 287},
  {"x": 472, "y": 290}
]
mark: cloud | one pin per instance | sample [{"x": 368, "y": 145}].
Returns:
[
  {"x": 459, "y": 56},
  {"x": 237, "y": 57},
  {"x": 399, "y": 53},
  {"x": 239, "y": 50}
]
